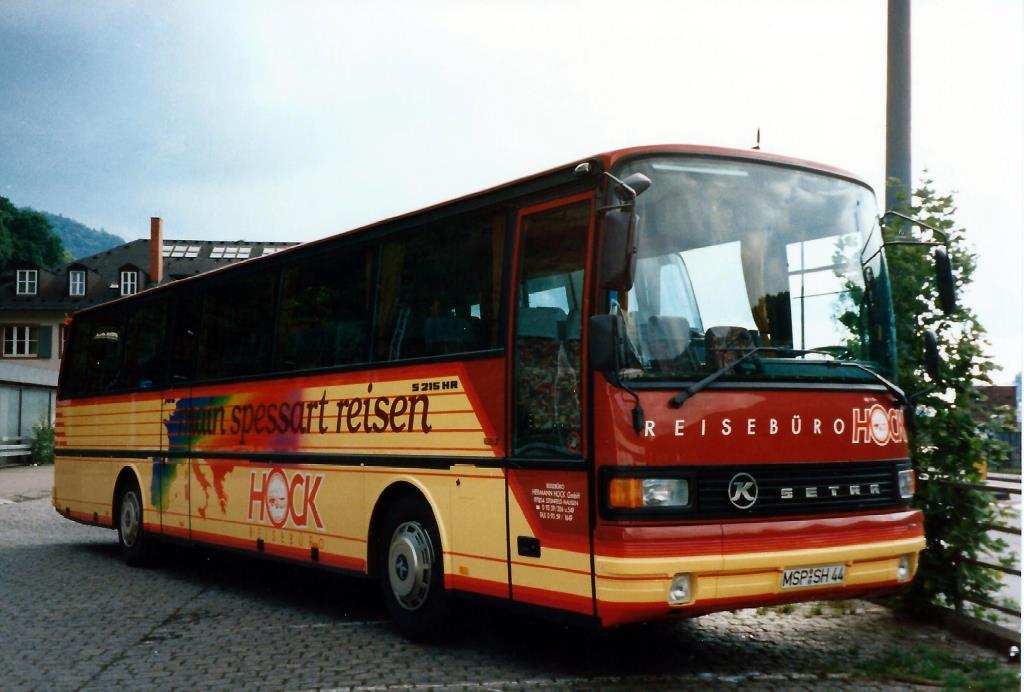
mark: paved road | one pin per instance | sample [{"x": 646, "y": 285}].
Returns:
[
  {"x": 20, "y": 483},
  {"x": 72, "y": 616}
]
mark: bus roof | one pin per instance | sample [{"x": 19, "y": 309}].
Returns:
[{"x": 549, "y": 178}]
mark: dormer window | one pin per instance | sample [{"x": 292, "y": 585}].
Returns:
[
  {"x": 27, "y": 282},
  {"x": 129, "y": 282},
  {"x": 76, "y": 282}
]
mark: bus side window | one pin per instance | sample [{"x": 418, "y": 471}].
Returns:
[
  {"x": 104, "y": 353},
  {"x": 182, "y": 338},
  {"x": 440, "y": 289},
  {"x": 324, "y": 315},
  {"x": 143, "y": 362},
  {"x": 76, "y": 369},
  {"x": 237, "y": 322}
]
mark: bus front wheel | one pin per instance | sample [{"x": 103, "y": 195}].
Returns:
[
  {"x": 412, "y": 570},
  {"x": 131, "y": 532}
]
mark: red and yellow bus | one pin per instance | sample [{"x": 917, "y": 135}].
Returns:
[{"x": 649, "y": 384}]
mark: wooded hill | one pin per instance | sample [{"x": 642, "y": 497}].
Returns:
[{"x": 78, "y": 239}]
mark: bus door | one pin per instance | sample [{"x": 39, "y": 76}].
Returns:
[
  {"x": 548, "y": 513},
  {"x": 179, "y": 421}
]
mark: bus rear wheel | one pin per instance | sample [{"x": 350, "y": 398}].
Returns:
[
  {"x": 412, "y": 571},
  {"x": 131, "y": 531}
]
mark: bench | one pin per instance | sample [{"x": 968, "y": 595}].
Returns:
[{"x": 14, "y": 450}]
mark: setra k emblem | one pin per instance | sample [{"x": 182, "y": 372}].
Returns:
[{"x": 742, "y": 491}]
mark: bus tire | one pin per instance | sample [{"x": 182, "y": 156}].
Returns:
[
  {"x": 131, "y": 532},
  {"x": 412, "y": 570}
]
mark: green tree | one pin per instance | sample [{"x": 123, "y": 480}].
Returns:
[
  {"x": 25, "y": 236},
  {"x": 7, "y": 215},
  {"x": 952, "y": 436}
]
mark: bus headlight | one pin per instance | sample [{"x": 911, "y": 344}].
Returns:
[
  {"x": 906, "y": 483},
  {"x": 648, "y": 493}
]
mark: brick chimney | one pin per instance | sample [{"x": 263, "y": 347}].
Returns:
[{"x": 156, "y": 249}]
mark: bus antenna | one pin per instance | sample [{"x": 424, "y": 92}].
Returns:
[{"x": 757, "y": 145}]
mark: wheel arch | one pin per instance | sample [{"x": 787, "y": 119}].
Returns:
[
  {"x": 126, "y": 475},
  {"x": 398, "y": 491}
]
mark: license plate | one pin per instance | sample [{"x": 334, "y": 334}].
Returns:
[{"x": 822, "y": 575}]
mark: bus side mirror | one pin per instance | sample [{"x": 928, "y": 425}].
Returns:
[
  {"x": 618, "y": 249},
  {"x": 932, "y": 359},
  {"x": 632, "y": 187},
  {"x": 944, "y": 280},
  {"x": 605, "y": 342}
]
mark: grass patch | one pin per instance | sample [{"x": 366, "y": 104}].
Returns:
[{"x": 928, "y": 665}]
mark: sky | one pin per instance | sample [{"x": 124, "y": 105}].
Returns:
[{"x": 297, "y": 120}]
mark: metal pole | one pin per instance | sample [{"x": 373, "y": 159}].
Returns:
[{"x": 897, "y": 102}]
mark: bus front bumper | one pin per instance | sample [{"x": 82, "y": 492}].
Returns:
[{"x": 674, "y": 572}]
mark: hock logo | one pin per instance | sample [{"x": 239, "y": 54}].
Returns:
[
  {"x": 878, "y": 425},
  {"x": 278, "y": 497}
]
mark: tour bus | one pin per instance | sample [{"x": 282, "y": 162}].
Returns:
[{"x": 653, "y": 383}]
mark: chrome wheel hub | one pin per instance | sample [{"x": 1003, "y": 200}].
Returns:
[
  {"x": 130, "y": 519},
  {"x": 410, "y": 564}
]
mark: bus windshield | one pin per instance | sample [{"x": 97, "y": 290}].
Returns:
[{"x": 735, "y": 255}]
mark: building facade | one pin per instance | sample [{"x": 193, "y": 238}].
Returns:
[
  {"x": 1002, "y": 398},
  {"x": 35, "y": 304}
]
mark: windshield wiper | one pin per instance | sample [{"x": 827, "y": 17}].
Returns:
[
  {"x": 681, "y": 397},
  {"x": 678, "y": 399},
  {"x": 901, "y": 397}
]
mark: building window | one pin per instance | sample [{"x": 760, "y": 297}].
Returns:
[
  {"x": 27, "y": 282},
  {"x": 76, "y": 282},
  {"x": 21, "y": 341},
  {"x": 129, "y": 282}
]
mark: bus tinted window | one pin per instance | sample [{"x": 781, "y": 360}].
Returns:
[
  {"x": 324, "y": 316},
  {"x": 186, "y": 316},
  {"x": 440, "y": 290},
  {"x": 142, "y": 362},
  {"x": 98, "y": 341},
  {"x": 236, "y": 326},
  {"x": 117, "y": 349}
]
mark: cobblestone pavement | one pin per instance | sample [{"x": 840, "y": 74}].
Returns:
[{"x": 73, "y": 616}]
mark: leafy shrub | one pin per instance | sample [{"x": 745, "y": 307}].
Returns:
[
  {"x": 953, "y": 434},
  {"x": 43, "y": 441}
]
